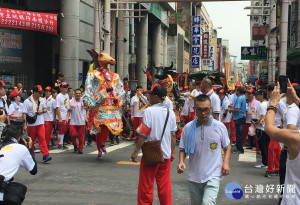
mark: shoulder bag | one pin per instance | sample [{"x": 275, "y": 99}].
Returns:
[
  {"x": 14, "y": 192},
  {"x": 31, "y": 120},
  {"x": 152, "y": 152}
]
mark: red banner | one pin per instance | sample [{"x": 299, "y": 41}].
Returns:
[
  {"x": 205, "y": 44},
  {"x": 43, "y": 22}
]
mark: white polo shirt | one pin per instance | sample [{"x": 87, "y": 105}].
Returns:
[
  {"x": 262, "y": 110},
  {"x": 224, "y": 107},
  {"x": 206, "y": 162},
  {"x": 215, "y": 102},
  {"x": 292, "y": 116},
  {"x": 168, "y": 103},
  {"x": 280, "y": 114},
  {"x": 13, "y": 111},
  {"x": 51, "y": 106},
  {"x": 14, "y": 155},
  {"x": 194, "y": 93},
  {"x": 135, "y": 103},
  {"x": 62, "y": 102},
  {"x": 154, "y": 118},
  {"x": 185, "y": 108},
  {"x": 78, "y": 114},
  {"x": 3, "y": 105},
  {"x": 27, "y": 109}
]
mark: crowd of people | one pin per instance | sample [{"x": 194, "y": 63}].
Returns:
[{"x": 211, "y": 121}]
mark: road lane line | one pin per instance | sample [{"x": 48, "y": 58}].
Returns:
[
  {"x": 56, "y": 151},
  {"x": 115, "y": 147},
  {"x": 248, "y": 156}
]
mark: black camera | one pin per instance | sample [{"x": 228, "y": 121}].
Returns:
[
  {"x": 1, "y": 110},
  {"x": 25, "y": 137}
]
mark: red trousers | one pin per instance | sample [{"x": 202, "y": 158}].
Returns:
[
  {"x": 48, "y": 131},
  {"x": 63, "y": 127},
  {"x": 232, "y": 130},
  {"x": 101, "y": 138},
  {"x": 160, "y": 172},
  {"x": 39, "y": 132},
  {"x": 74, "y": 129},
  {"x": 274, "y": 151},
  {"x": 245, "y": 131},
  {"x": 192, "y": 116},
  {"x": 136, "y": 122}
]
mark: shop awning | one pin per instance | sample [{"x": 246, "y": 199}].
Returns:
[{"x": 293, "y": 52}]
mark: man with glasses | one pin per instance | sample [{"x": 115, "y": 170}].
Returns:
[
  {"x": 203, "y": 140},
  {"x": 62, "y": 107}
]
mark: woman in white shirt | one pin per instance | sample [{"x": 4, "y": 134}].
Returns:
[{"x": 15, "y": 108}]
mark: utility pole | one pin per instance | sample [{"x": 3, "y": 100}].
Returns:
[
  {"x": 107, "y": 26},
  {"x": 283, "y": 36},
  {"x": 272, "y": 44}
]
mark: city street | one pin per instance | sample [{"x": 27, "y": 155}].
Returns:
[{"x": 82, "y": 179}]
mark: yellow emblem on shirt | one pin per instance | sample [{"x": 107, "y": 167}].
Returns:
[
  {"x": 213, "y": 145},
  {"x": 7, "y": 149},
  {"x": 66, "y": 102}
]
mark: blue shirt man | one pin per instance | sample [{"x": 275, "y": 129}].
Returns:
[
  {"x": 240, "y": 104},
  {"x": 239, "y": 116}
]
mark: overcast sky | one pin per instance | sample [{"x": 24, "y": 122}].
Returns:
[{"x": 235, "y": 23}]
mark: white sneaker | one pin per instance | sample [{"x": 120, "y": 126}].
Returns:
[{"x": 261, "y": 166}]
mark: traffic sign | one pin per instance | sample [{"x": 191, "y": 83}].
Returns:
[
  {"x": 195, "y": 62},
  {"x": 195, "y": 50},
  {"x": 196, "y": 19}
]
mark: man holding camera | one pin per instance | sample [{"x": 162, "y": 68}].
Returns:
[
  {"x": 33, "y": 111},
  {"x": 12, "y": 155}
]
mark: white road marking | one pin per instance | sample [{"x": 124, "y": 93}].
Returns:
[
  {"x": 248, "y": 156},
  {"x": 115, "y": 147},
  {"x": 56, "y": 151}
]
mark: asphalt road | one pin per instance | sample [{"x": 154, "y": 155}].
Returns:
[{"x": 82, "y": 179}]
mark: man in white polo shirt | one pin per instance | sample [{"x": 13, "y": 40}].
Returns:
[
  {"x": 77, "y": 116},
  {"x": 151, "y": 129},
  {"x": 62, "y": 107},
  {"x": 206, "y": 88},
  {"x": 33, "y": 106},
  {"x": 203, "y": 140},
  {"x": 49, "y": 116},
  {"x": 138, "y": 103}
]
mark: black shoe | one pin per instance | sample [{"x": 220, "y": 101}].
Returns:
[
  {"x": 75, "y": 148},
  {"x": 268, "y": 174},
  {"x": 112, "y": 143},
  {"x": 117, "y": 140},
  {"x": 276, "y": 173},
  {"x": 80, "y": 152}
]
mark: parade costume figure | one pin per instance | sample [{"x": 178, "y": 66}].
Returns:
[{"x": 104, "y": 94}]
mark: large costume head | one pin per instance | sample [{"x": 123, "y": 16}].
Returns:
[
  {"x": 162, "y": 72},
  {"x": 102, "y": 59}
]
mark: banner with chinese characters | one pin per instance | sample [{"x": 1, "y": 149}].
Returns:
[
  {"x": 11, "y": 46},
  {"x": 259, "y": 32},
  {"x": 205, "y": 45},
  {"x": 43, "y": 22}
]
